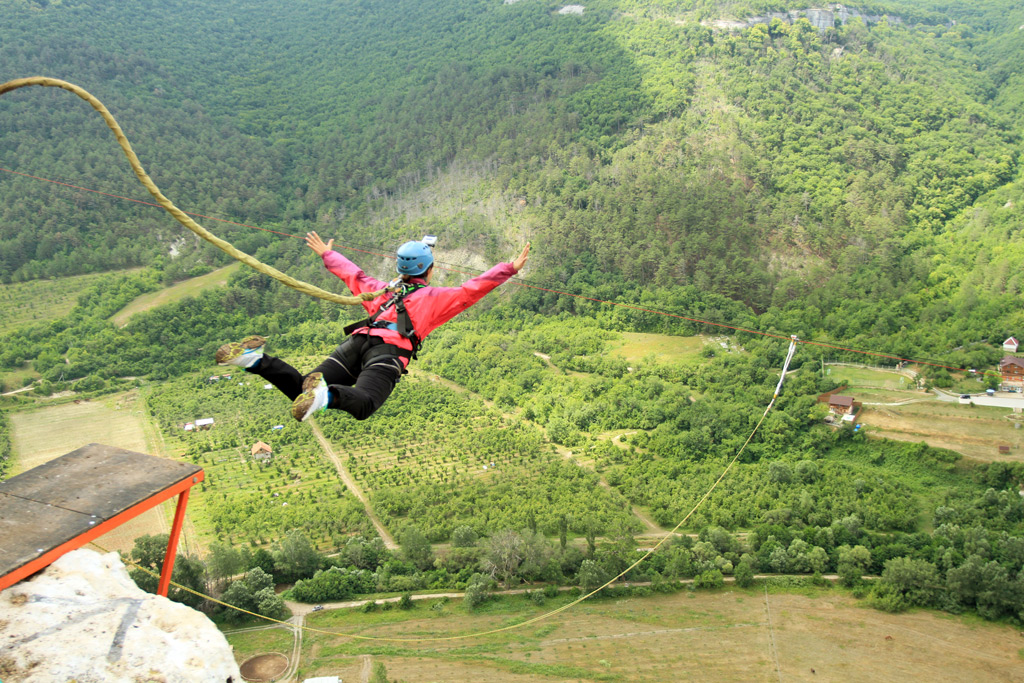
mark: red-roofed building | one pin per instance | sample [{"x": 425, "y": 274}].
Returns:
[{"x": 1011, "y": 345}]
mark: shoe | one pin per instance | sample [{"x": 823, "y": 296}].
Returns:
[
  {"x": 313, "y": 399},
  {"x": 244, "y": 354}
]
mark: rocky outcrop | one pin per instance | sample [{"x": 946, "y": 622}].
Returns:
[
  {"x": 84, "y": 619},
  {"x": 822, "y": 19}
]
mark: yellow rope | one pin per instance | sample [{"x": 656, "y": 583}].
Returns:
[{"x": 178, "y": 214}]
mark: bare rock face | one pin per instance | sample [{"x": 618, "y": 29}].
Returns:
[{"x": 84, "y": 619}]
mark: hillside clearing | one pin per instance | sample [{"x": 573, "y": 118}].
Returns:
[
  {"x": 176, "y": 292},
  {"x": 635, "y": 346}
]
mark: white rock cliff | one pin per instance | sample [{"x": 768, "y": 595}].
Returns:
[{"x": 84, "y": 619}]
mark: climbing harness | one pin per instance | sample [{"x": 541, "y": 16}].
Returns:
[
  {"x": 399, "y": 290},
  {"x": 177, "y": 213}
]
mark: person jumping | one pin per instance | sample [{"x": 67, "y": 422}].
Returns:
[{"x": 363, "y": 370}]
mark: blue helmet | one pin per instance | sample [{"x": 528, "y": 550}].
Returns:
[{"x": 414, "y": 258}]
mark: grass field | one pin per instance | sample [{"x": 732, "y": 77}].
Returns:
[
  {"x": 177, "y": 292},
  {"x": 11, "y": 380},
  {"x": 250, "y": 643},
  {"x": 726, "y": 635},
  {"x": 41, "y": 435},
  {"x": 869, "y": 378},
  {"x": 42, "y": 300},
  {"x": 635, "y": 346},
  {"x": 976, "y": 432}
]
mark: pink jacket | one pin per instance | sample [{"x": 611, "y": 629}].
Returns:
[{"x": 428, "y": 307}]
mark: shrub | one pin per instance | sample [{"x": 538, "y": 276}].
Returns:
[{"x": 710, "y": 579}]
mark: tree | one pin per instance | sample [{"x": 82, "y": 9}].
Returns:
[
  {"x": 295, "y": 557},
  {"x": 590, "y": 530},
  {"x": 254, "y": 592},
  {"x": 710, "y": 579},
  {"x": 564, "y": 521},
  {"x": 416, "y": 548},
  {"x": 504, "y": 552},
  {"x": 907, "y": 581},
  {"x": 476, "y": 589},
  {"x": 263, "y": 559},
  {"x": 591, "y": 575},
  {"x": 379, "y": 674},
  {"x": 852, "y": 564},
  {"x": 148, "y": 553},
  {"x": 363, "y": 553},
  {"x": 744, "y": 572},
  {"x": 224, "y": 560},
  {"x": 464, "y": 537}
]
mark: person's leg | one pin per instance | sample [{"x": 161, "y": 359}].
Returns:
[
  {"x": 342, "y": 366},
  {"x": 248, "y": 354},
  {"x": 335, "y": 369},
  {"x": 375, "y": 383},
  {"x": 287, "y": 379}
]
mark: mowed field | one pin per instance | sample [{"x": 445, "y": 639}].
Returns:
[
  {"x": 726, "y": 635},
  {"x": 895, "y": 410},
  {"x": 177, "y": 292},
  {"x": 635, "y": 346},
  {"x": 41, "y": 435}
]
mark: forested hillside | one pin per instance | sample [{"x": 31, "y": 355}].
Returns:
[{"x": 868, "y": 170}]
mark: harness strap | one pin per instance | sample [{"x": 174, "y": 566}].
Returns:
[{"x": 403, "y": 326}]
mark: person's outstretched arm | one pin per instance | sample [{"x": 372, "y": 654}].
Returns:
[
  {"x": 437, "y": 305},
  {"x": 353, "y": 276}
]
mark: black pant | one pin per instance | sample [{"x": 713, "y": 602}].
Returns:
[{"x": 361, "y": 373}]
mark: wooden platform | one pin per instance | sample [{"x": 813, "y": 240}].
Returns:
[{"x": 71, "y": 500}]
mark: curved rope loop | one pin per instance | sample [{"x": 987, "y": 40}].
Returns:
[{"x": 178, "y": 214}]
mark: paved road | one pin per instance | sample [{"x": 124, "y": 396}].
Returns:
[{"x": 1002, "y": 399}]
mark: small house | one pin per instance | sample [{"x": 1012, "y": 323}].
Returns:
[
  {"x": 1012, "y": 370},
  {"x": 261, "y": 451},
  {"x": 204, "y": 423},
  {"x": 190, "y": 427},
  {"x": 840, "y": 405},
  {"x": 1011, "y": 345}
]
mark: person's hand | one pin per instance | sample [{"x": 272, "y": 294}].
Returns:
[
  {"x": 521, "y": 260},
  {"x": 317, "y": 244}
]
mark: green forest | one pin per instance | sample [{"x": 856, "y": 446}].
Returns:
[{"x": 858, "y": 185}]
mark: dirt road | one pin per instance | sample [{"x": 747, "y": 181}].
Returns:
[{"x": 352, "y": 486}]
